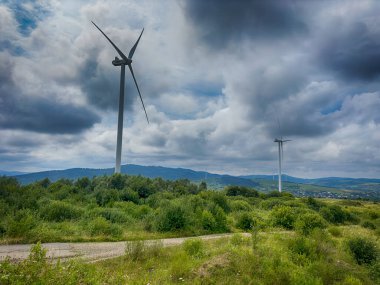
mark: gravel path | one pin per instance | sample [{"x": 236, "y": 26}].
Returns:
[{"x": 89, "y": 251}]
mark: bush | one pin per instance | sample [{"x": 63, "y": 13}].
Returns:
[
  {"x": 241, "y": 191},
  {"x": 306, "y": 223},
  {"x": 129, "y": 195},
  {"x": 335, "y": 214},
  {"x": 208, "y": 220},
  {"x": 363, "y": 250},
  {"x": 220, "y": 219},
  {"x": 369, "y": 225},
  {"x": 335, "y": 231},
  {"x": 374, "y": 215},
  {"x": 114, "y": 215},
  {"x": 106, "y": 196},
  {"x": 172, "y": 218},
  {"x": 283, "y": 216},
  {"x": 238, "y": 240},
  {"x": 194, "y": 247},
  {"x": 221, "y": 200},
  {"x": 140, "y": 250},
  {"x": 100, "y": 226},
  {"x": 58, "y": 211},
  {"x": 135, "y": 250},
  {"x": 240, "y": 205},
  {"x": 271, "y": 203},
  {"x": 314, "y": 204},
  {"x": 20, "y": 224},
  {"x": 245, "y": 221}
]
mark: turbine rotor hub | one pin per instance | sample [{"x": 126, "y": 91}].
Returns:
[{"x": 118, "y": 62}]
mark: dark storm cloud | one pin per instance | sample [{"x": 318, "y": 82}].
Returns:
[
  {"x": 46, "y": 116},
  {"x": 219, "y": 22},
  {"x": 353, "y": 52},
  {"x": 102, "y": 86},
  {"x": 32, "y": 113}
]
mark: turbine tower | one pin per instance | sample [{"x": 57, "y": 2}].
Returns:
[
  {"x": 122, "y": 63},
  {"x": 280, "y": 159},
  {"x": 280, "y": 142}
]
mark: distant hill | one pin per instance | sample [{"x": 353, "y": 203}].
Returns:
[
  {"x": 10, "y": 173},
  {"x": 331, "y": 187},
  {"x": 334, "y": 182},
  {"x": 216, "y": 180}
]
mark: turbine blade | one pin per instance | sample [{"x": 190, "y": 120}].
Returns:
[
  {"x": 134, "y": 79},
  {"x": 132, "y": 51},
  {"x": 116, "y": 48}
]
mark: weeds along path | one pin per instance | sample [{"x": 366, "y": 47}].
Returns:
[{"x": 89, "y": 251}]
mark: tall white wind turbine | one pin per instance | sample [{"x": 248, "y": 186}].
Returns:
[
  {"x": 122, "y": 63},
  {"x": 280, "y": 142}
]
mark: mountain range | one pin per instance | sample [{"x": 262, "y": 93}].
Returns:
[{"x": 348, "y": 187}]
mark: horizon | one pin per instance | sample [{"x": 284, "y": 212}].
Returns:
[
  {"x": 196, "y": 170},
  {"x": 220, "y": 81}
]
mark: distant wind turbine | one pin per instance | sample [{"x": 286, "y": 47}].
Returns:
[
  {"x": 123, "y": 62},
  {"x": 280, "y": 142}
]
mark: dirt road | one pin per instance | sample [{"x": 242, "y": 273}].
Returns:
[{"x": 89, "y": 251}]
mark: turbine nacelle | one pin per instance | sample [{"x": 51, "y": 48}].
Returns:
[
  {"x": 118, "y": 62},
  {"x": 281, "y": 140}
]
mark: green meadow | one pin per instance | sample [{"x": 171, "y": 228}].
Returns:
[{"x": 291, "y": 240}]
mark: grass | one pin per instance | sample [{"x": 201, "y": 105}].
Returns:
[
  {"x": 294, "y": 240},
  {"x": 276, "y": 257}
]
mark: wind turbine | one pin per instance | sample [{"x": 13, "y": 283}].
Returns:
[
  {"x": 122, "y": 63},
  {"x": 280, "y": 142}
]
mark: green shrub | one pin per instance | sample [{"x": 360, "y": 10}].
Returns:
[
  {"x": 314, "y": 204},
  {"x": 241, "y": 191},
  {"x": 306, "y": 223},
  {"x": 283, "y": 216},
  {"x": 374, "y": 272},
  {"x": 220, "y": 219},
  {"x": 114, "y": 215},
  {"x": 21, "y": 224},
  {"x": 172, "y": 218},
  {"x": 238, "y": 240},
  {"x": 83, "y": 183},
  {"x": 194, "y": 247},
  {"x": 301, "y": 246},
  {"x": 106, "y": 196},
  {"x": 363, "y": 250},
  {"x": 271, "y": 203},
  {"x": 135, "y": 250},
  {"x": 208, "y": 220},
  {"x": 369, "y": 225},
  {"x": 129, "y": 195},
  {"x": 335, "y": 231},
  {"x": 374, "y": 215},
  {"x": 240, "y": 205},
  {"x": 350, "y": 280},
  {"x": 245, "y": 221},
  {"x": 221, "y": 200},
  {"x": 335, "y": 214},
  {"x": 100, "y": 226},
  {"x": 57, "y": 211}
]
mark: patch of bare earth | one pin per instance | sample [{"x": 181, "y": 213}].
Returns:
[{"x": 217, "y": 262}]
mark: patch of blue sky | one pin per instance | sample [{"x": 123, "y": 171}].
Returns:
[
  {"x": 13, "y": 49},
  {"x": 332, "y": 108},
  {"x": 205, "y": 89},
  {"x": 27, "y": 14}
]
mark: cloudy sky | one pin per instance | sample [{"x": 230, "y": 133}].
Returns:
[{"x": 216, "y": 77}]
